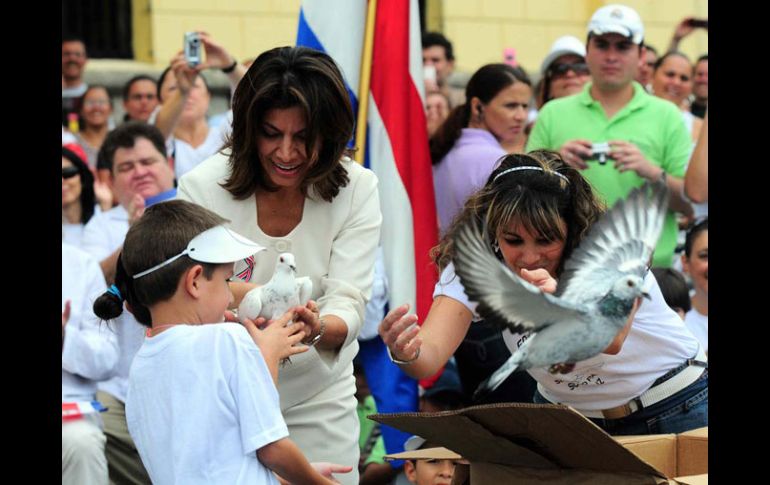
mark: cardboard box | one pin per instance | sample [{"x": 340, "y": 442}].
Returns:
[
  {"x": 682, "y": 455},
  {"x": 659, "y": 450},
  {"x": 530, "y": 444},
  {"x": 692, "y": 455}
]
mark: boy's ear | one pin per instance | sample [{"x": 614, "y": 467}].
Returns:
[
  {"x": 192, "y": 279},
  {"x": 410, "y": 470}
]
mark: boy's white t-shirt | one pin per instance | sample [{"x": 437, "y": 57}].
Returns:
[
  {"x": 657, "y": 342},
  {"x": 200, "y": 404}
]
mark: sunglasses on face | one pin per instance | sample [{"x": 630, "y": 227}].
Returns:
[
  {"x": 69, "y": 172},
  {"x": 562, "y": 69}
]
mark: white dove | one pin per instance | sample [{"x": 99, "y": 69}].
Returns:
[
  {"x": 597, "y": 290},
  {"x": 282, "y": 292}
]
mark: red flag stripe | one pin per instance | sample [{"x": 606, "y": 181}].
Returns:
[{"x": 403, "y": 115}]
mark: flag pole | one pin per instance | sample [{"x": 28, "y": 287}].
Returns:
[{"x": 363, "y": 88}]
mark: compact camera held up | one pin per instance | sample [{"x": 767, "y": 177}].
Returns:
[
  {"x": 599, "y": 152},
  {"x": 192, "y": 48}
]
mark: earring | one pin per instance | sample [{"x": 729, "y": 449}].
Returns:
[{"x": 496, "y": 248}]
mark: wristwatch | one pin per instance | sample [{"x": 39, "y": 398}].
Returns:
[{"x": 230, "y": 68}]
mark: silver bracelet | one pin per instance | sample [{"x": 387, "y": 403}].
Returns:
[
  {"x": 320, "y": 333},
  {"x": 402, "y": 362}
]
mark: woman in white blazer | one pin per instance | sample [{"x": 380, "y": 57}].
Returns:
[{"x": 284, "y": 180}]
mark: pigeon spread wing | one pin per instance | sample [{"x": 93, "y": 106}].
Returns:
[
  {"x": 621, "y": 242},
  {"x": 503, "y": 296}
]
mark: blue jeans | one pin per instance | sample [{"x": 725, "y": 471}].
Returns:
[{"x": 687, "y": 409}]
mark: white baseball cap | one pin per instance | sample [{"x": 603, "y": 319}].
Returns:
[
  {"x": 617, "y": 19},
  {"x": 217, "y": 245},
  {"x": 564, "y": 45}
]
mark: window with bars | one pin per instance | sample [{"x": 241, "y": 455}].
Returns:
[{"x": 104, "y": 26}]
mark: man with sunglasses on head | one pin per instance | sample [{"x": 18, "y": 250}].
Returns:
[{"x": 614, "y": 131}]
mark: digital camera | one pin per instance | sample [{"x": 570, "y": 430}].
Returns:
[
  {"x": 192, "y": 48},
  {"x": 600, "y": 152}
]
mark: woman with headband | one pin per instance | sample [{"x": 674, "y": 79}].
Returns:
[{"x": 653, "y": 377}]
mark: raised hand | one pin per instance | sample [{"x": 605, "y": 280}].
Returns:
[{"x": 399, "y": 332}]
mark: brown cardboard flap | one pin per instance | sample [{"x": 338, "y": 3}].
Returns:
[
  {"x": 693, "y": 452},
  {"x": 693, "y": 480},
  {"x": 522, "y": 435},
  {"x": 486, "y": 473},
  {"x": 466, "y": 436},
  {"x": 659, "y": 450},
  {"x": 425, "y": 454}
]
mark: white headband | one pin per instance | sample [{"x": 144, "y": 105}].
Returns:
[{"x": 527, "y": 167}]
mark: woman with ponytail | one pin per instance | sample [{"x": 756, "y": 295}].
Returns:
[{"x": 465, "y": 148}]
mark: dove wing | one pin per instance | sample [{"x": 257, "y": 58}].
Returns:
[
  {"x": 621, "y": 242},
  {"x": 304, "y": 288},
  {"x": 502, "y": 295}
]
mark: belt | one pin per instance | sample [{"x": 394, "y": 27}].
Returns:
[{"x": 665, "y": 386}]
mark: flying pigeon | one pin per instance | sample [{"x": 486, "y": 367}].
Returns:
[
  {"x": 599, "y": 285},
  {"x": 283, "y": 291}
]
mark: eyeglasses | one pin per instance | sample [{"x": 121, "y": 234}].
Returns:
[
  {"x": 69, "y": 172},
  {"x": 95, "y": 102},
  {"x": 562, "y": 69},
  {"x": 139, "y": 97}
]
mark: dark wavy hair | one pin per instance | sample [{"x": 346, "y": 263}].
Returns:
[
  {"x": 668, "y": 54},
  {"x": 87, "y": 196},
  {"x": 287, "y": 77},
  {"x": 538, "y": 199},
  {"x": 163, "y": 231},
  {"x": 485, "y": 84},
  {"x": 692, "y": 234}
]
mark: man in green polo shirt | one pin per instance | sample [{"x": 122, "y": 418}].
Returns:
[{"x": 646, "y": 136}]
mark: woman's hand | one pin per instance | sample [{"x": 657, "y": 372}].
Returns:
[
  {"x": 135, "y": 208},
  {"x": 311, "y": 317},
  {"x": 399, "y": 332},
  {"x": 540, "y": 278},
  {"x": 183, "y": 73},
  {"x": 217, "y": 56},
  {"x": 103, "y": 193}
]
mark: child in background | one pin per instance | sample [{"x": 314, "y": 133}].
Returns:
[
  {"x": 674, "y": 288},
  {"x": 202, "y": 404},
  {"x": 372, "y": 468},
  {"x": 427, "y": 471}
]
